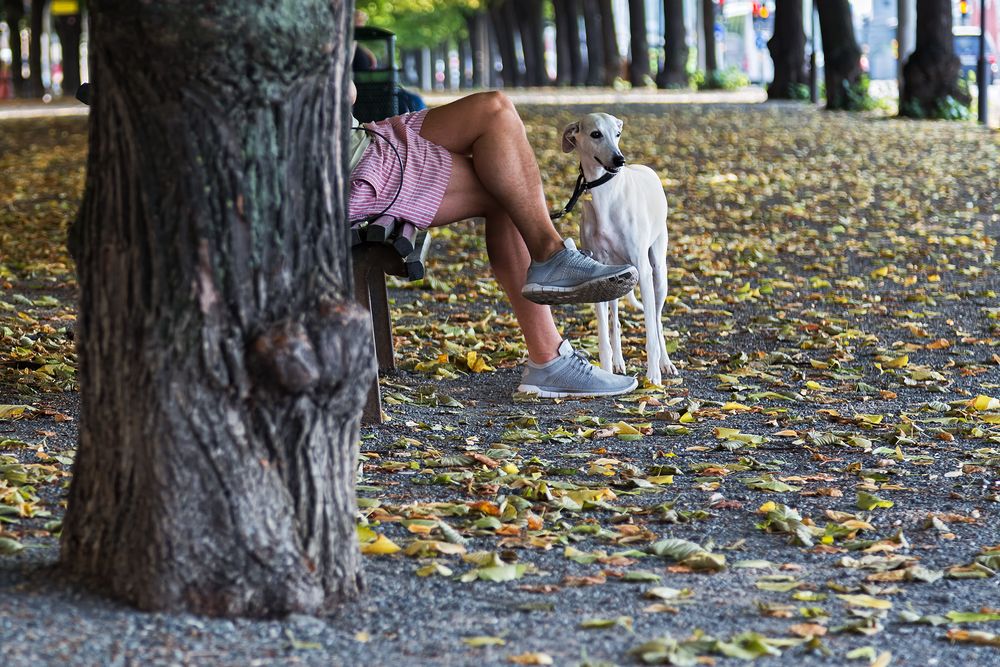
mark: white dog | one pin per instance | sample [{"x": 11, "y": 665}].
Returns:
[{"x": 626, "y": 222}]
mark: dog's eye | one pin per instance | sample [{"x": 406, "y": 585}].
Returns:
[
  {"x": 596, "y": 134},
  {"x": 619, "y": 134}
]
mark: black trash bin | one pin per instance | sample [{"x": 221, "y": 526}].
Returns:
[{"x": 375, "y": 74}]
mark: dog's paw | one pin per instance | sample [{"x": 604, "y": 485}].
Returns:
[
  {"x": 669, "y": 369},
  {"x": 653, "y": 377},
  {"x": 619, "y": 366}
]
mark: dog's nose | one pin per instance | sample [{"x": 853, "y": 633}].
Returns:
[{"x": 619, "y": 160}]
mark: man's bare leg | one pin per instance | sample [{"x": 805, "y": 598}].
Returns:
[
  {"x": 465, "y": 198},
  {"x": 488, "y": 127}
]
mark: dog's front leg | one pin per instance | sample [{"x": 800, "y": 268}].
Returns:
[
  {"x": 603, "y": 336},
  {"x": 618, "y": 360}
]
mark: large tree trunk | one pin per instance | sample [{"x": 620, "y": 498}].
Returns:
[
  {"x": 569, "y": 56},
  {"x": 222, "y": 363},
  {"x": 69, "y": 29},
  {"x": 502, "y": 13},
  {"x": 675, "y": 48},
  {"x": 788, "y": 50},
  {"x": 479, "y": 44},
  {"x": 35, "y": 86},
  {"x": 564, "y": 72},
  {"x": 841, "y": 54},
  {"x": 612, "y": 56},
  {"x": 596, "y": 75},
  {"x": 529, "y": 23},
  {"x": 708, "y": 26},
  {"x": 15, "y": 14},
  {"x": 638, "y": 69},
  {"x": 931, "y": 72}
]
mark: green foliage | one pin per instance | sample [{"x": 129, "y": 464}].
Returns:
[
  {"x": 798, "y": 91},
  {"x": 420, "y": 23},
  {"x": 946, "y": 108},
  {"x": 730, "y": 78},
  {"x": 858, "y": 98}
]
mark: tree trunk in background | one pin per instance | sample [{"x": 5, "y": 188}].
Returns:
[
  {"x": 841, "y": 53},
  {"x": 476, "y": 25},
  {"x": 708, "y": 20},
  {"x": 463, "y": 57},
  {"x": 596, "y": 75},
  {"x": 530, "y": 24},
  {"x": 69, "y": 29},
  {"x": 612, "y": 56},
  {"x": 502, "y": 13},
  {"x": 223, "y": 363},
  {"x": 578, "y": 72},
  {"x": 35, "y": 86},
  {"x": 14, "y": 10},
  {"x": 788, "y": 50},
  {"x": 931, "y": 72},
  {"x": 564, "y": 71},
  {"x": 638, "y": 69},
  {"x": 675, "y": 48}
]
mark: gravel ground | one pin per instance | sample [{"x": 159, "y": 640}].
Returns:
[{"x": 945, "y": 468}]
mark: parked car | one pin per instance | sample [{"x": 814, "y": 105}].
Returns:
[{"x": 967, "y": 50}]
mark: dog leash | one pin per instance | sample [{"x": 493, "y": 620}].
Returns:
[{"x": 581, "y": 186}]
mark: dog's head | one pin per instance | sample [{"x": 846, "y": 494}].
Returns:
[{"x": 595, "y": 138}]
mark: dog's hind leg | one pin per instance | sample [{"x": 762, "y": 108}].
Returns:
[
  {"x": 603, "y": 335},
  {"x": 658, "y": 263},
  {"x": 633, "y": 301},
  {"x": 617, "y": 360},
  {"x": 653, "y": 335}
]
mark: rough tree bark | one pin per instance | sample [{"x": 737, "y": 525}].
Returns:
[
  {"x": 223, "y": 364},
  {"x": 612, "y": 56},
  {"x": 930, "y": 74},
  {"x": 673, "y": 74},
  {"x": 638, "y": 68},
  {"x": 35, "y": 86},
  {"x": 788, "y": 50},
  {"x": 530, "y": 25},
  {"x": 708, "y": 26},
  {"x": 841, "y": 53},
  {"x": 69, "y": 29},
  {"x": 14, "y": 12}
]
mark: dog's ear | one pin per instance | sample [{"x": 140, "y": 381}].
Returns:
[
  {"x": 619, "y": 123},
  {"x": 569, "y": 137}
]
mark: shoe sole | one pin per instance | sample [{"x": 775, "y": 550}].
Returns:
[
  {"x": 548, "y": 393},
  {"x": 598, "y": 290}
]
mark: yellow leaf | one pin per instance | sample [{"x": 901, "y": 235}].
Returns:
[
  {"x": 477, "y": 642},
  {"x": 532, "y": 659},
  {"x": 686, "y": 418},
  {"x": 983, "y": 402},
  {"x": 866, "y": 601},
  {"x": 735, "y": 407},
  {"x": 769, "y": 506},
  {"x": 382, "y": 546},
  {"x": 621, "y": 428},
  {"x": 880, "y": 272},
  {"x": 899, "y": 362}
]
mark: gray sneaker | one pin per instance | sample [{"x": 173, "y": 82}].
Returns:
[
  {"x": 570, "y": 276},
  {"x": 571, "y": 375}
]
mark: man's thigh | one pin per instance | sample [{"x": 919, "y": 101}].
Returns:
[{"x": 465, "y": 196}]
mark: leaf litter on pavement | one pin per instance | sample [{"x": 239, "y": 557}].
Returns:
[{"x": 829, "y": 454}]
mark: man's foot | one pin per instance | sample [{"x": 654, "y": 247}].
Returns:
[
  {"x": 570, "y": 375},
  {"x": 570, "y": 276}
]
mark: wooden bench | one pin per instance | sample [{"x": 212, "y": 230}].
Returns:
[{"x": 385, "y": 246}]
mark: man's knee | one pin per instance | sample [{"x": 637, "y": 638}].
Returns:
[{"x": 496, "y": 106}]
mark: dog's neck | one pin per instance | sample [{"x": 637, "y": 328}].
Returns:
[{"x": 593, "y": 171}]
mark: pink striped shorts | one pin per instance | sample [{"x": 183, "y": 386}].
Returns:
[{"x": 376, "y": 178}]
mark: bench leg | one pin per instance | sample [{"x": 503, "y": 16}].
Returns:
[
  {"x": 372, "y": 413},
  {"x": 381, "y": 321}
]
